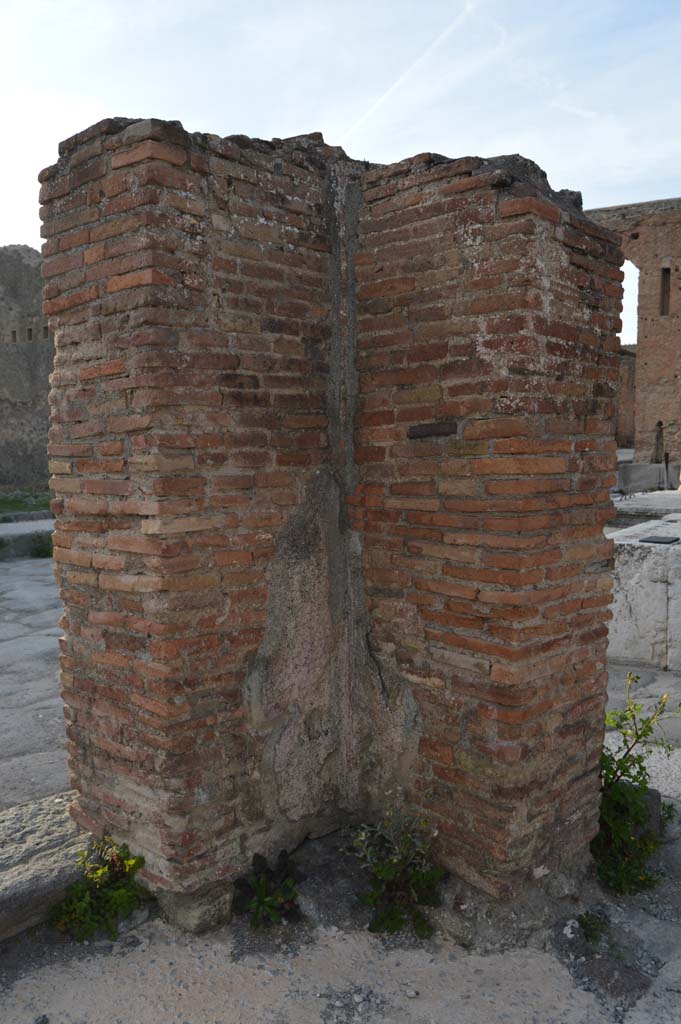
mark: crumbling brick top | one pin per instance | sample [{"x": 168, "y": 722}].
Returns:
[{"x": 526, "y": 177}]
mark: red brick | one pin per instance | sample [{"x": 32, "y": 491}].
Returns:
[
  {"x": 137, "y": 279},
  {"x": 110, "y": 369},
  {"x": 530, "y": 204},
  {"x": 150, "y": 150},
  {"x": 70, "y": 300}
]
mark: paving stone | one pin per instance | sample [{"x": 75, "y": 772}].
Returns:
[{"x": 32, "y": 728}]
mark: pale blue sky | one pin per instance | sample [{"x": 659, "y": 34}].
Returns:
[{"x": 587, "y": 88}]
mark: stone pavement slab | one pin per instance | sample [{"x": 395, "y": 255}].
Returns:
[{"x": 32, "y": 728}]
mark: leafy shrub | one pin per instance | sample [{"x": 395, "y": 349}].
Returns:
[
  {"x": 268, "y": 894},
  {"x": 594, "y": 926},
  {"x": 397, "y": 852},
  {"x": 108, "y": 892},
  {"x": 626, "y": 842},
  {"x": 41, "y": 545}
]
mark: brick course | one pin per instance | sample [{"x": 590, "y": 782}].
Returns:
[{"x": 331, "y": 451}]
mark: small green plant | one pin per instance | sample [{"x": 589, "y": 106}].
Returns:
[
  {"x": 268, "y": 894},
  {"x": 398, "y": 853},
  {"x": 593, "y": 926},
  {"x": 625, "y": 842},
  {"x": 107, "y": 893},
  {"x": 41, "y": 545}
]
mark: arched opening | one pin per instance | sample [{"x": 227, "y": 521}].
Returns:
[
  {"x": 629, "y": 304},
  {"x": 626, "y": 400}
]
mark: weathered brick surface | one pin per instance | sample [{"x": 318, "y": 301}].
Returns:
[
  {"x": 485, "y": 561},
  {"x": 650, "y": 236},
  {"x": 331, "y": 451}
]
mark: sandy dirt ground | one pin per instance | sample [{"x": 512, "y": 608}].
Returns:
[
  {"x": 340, "y": 977},
  {"x": 329, "y": 969}
]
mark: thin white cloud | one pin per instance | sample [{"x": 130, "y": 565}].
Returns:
[
  {"x": 566, "y": 107},
  {"x": 469, "y": 7}
]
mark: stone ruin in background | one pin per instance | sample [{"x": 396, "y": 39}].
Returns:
[
  {"x": 331, "y": 447},
  {"x": 26, "y": 355},
  {"x": 649, "y": 413}
]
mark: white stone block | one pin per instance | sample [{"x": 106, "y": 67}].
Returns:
[
  {"x": 646, "y": 623},
  {"x": 638, "y": 631}
]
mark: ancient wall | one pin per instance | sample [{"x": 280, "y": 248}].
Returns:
[
  {"x": 487, "y": 367},
  {"x": 331, "y": 448},
  {"x": 626, "y": 398},
  {"x": 26, "y": 355},
  {"x": 651, "y": 239}
]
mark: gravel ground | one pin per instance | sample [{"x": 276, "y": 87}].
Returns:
[
  {"x": 337, "y": 979},
  {"x": 330, "y": 970}
]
